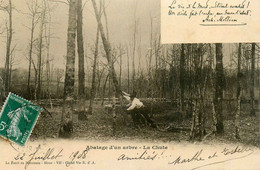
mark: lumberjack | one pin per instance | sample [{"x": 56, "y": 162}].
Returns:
[{"x": 137, "y": 110}]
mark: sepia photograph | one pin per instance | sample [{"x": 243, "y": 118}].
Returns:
[{"x": 109, "y": 71}]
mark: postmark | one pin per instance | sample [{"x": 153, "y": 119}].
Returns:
[{"x": 17, "y": 119}]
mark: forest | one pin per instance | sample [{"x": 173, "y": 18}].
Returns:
[{"x": 75, "y": 58}]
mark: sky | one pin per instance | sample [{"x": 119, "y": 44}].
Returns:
[
  {"x": 120, "y": 24},
  {"x": 121, "y": 17}
]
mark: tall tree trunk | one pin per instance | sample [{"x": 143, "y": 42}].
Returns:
[
  {"x": 133, "y": 55},
  {"x": 197, "y": 129},
  {"x": 219, "y": 89},
  {"x": 81, "y": 73},
  {"x": 128, "y": 72},
  {"x": 39, "y": 60},
  {"x": 238, "y": 91},
  {"x": 120, "y": 67},
  {"x": 182, "y": 78},
  {"x": 66, "y": 128},
  {"x": 214, "y": 116},
  {"x": 10, "y": 74},
  {"x": 93, "y": 86},
  {"x": 252, "y": 81},
  {"x": 48, "y": 66},
  {"x": 2, "y": 90},
  {"x": 150, "y": 89},
  {"x": 107, "y": 48},
  {"x": 30, "y": 56},
  {"x": 8, "y": 47}
]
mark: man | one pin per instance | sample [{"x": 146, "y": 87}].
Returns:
[{"x": 137, "y": 110}]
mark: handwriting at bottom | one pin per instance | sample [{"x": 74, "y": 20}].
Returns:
[
  {"x": 196, "y": 157},
  {"x": 143, "y": 156},
  {"x": 227, "y": 153}
]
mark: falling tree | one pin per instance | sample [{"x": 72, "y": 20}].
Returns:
[
  {"x": 107, "y": 48},
  {"x": 66, "y": 128},
  {"x": 219, "y": 89}
]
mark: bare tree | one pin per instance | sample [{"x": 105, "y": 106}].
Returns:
[
  {"x": 238, "y": 91},
  {"x": 9, "y": 9},
  {"x": 128, "y": 70},
  {"x": 2, "y": 90},
  {"x": 93, "y": 85},
  {"x": 121, "y": 52},
  {"x": 252, "y": 81},
  {"x": 81, "y": 73},
  {"x": 40, "y": 46},
  {"x": 219, "y": 89},
  {"x": 66, "y": 128},
  {"x": 33, "y": 13},
  {"x": 149, "y": 63},
  {"x": 134, "y": 46},
  {"x": 48, "y": 59},
  {"x": 197, "y": 128},
  {"x": 11, "y": 64},
  {"x": 182, "y": 80}
]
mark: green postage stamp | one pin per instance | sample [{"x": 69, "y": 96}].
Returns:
[{"x": 17, "y": 119}]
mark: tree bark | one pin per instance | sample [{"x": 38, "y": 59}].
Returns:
[
  {"x": 182, "y": 79},
  {"x": 238, "y": 91},
  {"x": 66, "y": 128},
  {"x": 39, "y": 60},
  {"x": 120, "y": 67},
  {"x": 8, "y": 47},
  {"x": 133, "y": 55},
  {"x": 150, "y": 89},
  {"x": 30, "y": 56},
  {"x": 80, "y": 43},
  {"x": 219, "y": 89},
  {"x": 128, "y": 72},
  {"x": 252, "y": 83},
  {"x": 81, "y": 72},
  {"x": 2, "y": 90},
  {"x": 93, "y": 86}
]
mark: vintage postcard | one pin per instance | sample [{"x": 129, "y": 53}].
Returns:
[{"x": 128, "y": 84}]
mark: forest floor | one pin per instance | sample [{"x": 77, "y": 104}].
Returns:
[{"x": 102, "y": 127}]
